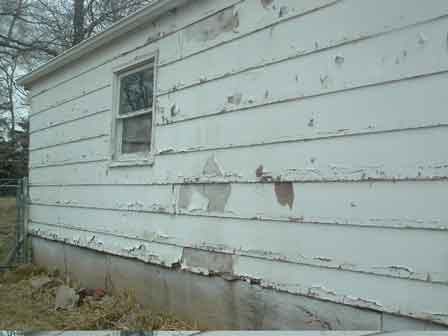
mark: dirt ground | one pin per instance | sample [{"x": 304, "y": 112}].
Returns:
[
  {"x": 7, "y": 225},
  {"x": 24, "y": 306}
]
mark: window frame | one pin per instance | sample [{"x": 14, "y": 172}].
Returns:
[{"x": 118, "y": 158}]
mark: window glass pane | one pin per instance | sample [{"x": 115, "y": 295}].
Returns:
[
  {"x": 136, "y": 91},
  {"x": 136, "y": 134}
]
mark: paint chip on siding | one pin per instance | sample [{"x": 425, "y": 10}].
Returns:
[
  {"x": 210, "y": 28},
  {"x": 266, "y": 3},
  {"x": 285, "y": 193},
  {"x": 212, "y": 168},
  {"x": 204, "y": 197},
  {"x": 207, "y": 261}
]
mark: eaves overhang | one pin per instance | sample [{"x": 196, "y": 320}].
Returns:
[{"x": 144, "y": 16}]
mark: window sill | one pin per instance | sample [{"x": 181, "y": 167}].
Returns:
[{"x": 131, "y": 163}]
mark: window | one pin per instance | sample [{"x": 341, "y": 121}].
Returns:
[{"x": 134, "y": 112}]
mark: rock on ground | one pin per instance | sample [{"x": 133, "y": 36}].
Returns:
[{"x": 66, "y": 298}]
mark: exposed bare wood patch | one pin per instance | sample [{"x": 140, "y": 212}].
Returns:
[{"x": 285, "y": 193}]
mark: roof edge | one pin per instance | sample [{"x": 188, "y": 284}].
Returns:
[{"x": 121, "y": 27}]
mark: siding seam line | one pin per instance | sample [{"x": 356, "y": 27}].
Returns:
[
  {"x": 236, "y": 252},
  {"x": 230, "y": 181},
  {"x": 310, "y": 96},
  {"x": 68, "y": 100},
  {"x": 85, "y": 116},
  {"x": 252, "y": 32},
  {"x": 257, "y": 218},
  {"x": 299, "y": 140},
  {"x": 72, "y": 163},
  {"x": 266, "y": 143},
  {"x": 229, "y": 41},
  {"x": 127, "y": 52},
  {"x": 93, "y": 137},
  {"x": 270, "y": 286},
  {"x": 295, "y": 56}
]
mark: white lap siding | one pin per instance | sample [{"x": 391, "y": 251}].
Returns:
[{"x": 304, "y": 140}]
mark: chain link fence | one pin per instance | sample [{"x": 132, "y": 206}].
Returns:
[{"x": 13, "y": 222}]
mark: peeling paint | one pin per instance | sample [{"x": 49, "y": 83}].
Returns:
[
  {"x": 339, "y": 60},
  {"x": 212, "y": 168},
  {"x": 324, "y": 81},
  {"x": 422, "y": 39},
  {"x": 362, "y": 302},
  {"x": 207, "y": 262},
  {"x": 263, "y": 175},
  {"x": 314, "y": 318},
  {"x": 211, "y": 191},
  {"x": 175, "y": 110},
  {"x": 235, "y": 99},
  {"x": 136, "y": 205},
  {"x": 210, "y": 197},
  {"x": 446, "y": 42},
  {"x": 142, "y": 252},
  {"x": 285, "y": 193},
  {"x": 259, "y": 171},
  {"x": 266, "y": 3},
  {"x": 209, "y": 29},
  {"x": 154, "y": 37},
  {"x": 266, "y": 94},
  {"x": 284, "y": 10},
  {"x": 397, "y": 269},
  {"x": 204, "y": 197},
  {"x": 324, "y": 259}
]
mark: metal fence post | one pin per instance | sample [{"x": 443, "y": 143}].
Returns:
[
  {"x": 26, "y": 203},
  {"x": 19, "y": 252},
  {"x": 19, "y": 201},
  {"x": 21, "y": 243}
]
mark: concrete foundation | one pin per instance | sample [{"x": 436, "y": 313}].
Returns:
[{"x": 212, "y": 301}]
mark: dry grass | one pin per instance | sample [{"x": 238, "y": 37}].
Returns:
[
  {"x": 7, "y": 225},
  {"x": 24, "y": 308}
]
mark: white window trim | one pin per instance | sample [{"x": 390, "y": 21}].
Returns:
[{"x": 117, "y": 159}]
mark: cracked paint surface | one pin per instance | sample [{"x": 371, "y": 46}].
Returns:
[{"x": 317, "y": 147}]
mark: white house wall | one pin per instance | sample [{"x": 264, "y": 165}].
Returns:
[{"x": 299, "y": 143}]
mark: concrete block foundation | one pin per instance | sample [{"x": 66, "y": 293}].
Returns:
[{"x": 212, "y": 301}]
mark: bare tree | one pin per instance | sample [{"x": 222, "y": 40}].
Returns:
[
  {"x": 78, "y": 21},
  {"x": 32, "y": 32},
  {"x": 7, "y": 84},
  {"x": 65, "y": 23},
  {"x": 8, "y": 67}
]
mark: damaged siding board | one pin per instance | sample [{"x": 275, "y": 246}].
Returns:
[
  {"x": 426, "y": 302},
  {"x": 193, "y": 16},
  {"x": 78, "y": 108},
  {"x": 328, "y": 181},
  {"x": 363, "y": 204},
  {"x": 344, "y": 113},
  {"x": 410, "y": 154},
  {"x": 327, "y": 246},
  {"x": 361, "y": 290},
  {"x": 100, "y": 77},
  {"x": 207, "y": 262},
  {"x": 291, "y": 38},
  {"x": 246, "y": 17},
  {"x": 160, "y": 254},
  {"x": 163, "y": 33},
  {"x": 367, "y": 62},
  {"x": 95, "y": 125},
  {"x": 152, "y": 198},
  {"x": 88, "y": 149},
  {"x": 366, "y": 204}
]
